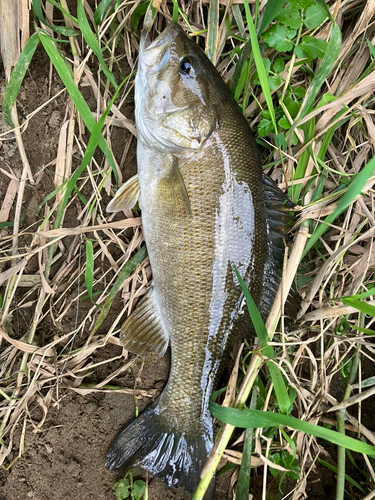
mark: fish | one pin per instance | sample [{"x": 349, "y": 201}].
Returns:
[{"x": 207, "y": 209}]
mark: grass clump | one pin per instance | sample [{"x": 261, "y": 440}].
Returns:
[{"x": 302, "y": 72}]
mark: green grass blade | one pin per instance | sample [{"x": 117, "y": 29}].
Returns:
[
  {"x": 270, "y": 12},
  {"x": 212, "y": 31},
  {"x": 17, "y": 76},
  {"x": 354, "y": 190},
  {"x": 124, "y": 273},
  {"x": 94, "y": 140},
  {"x": 263, "y": 419},
  {"x": 360, "y": 305},
  {"x": 100, "y": 11},
  {"x": 76, "y": 96},
  {"x": 239, "y": 79},
  {"x": 92, "y": 42},
  {"x": 347, "y": 478},
  {"x": 152, "y": 10},
  {"x": 260, "y": 329},
  {"x": 237, "y": 14},
  {"x": 260, "y": 66},
  {"x": 328, "y": 61},
  {"x": 65, "y": 12},
  {"x": 49, "y": 196},
  {"x": 89, "y": 269},
  {"x": 138, "y": 13},
  {"x": 175, "y": 11},
  {"x": 243, "y": 484},
  {"x": 364, "y": 295},
  {"x": 63, "y": 30},
  {"x": 371, "y": 47}
]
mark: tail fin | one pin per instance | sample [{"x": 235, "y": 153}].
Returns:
[{"x": 149, "y": 442}]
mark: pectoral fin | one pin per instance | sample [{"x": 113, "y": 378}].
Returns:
[
  {"x": 126, "y": 197},
  {"x": 143, "y": 330},
  {"x": 173, "y": 191}
]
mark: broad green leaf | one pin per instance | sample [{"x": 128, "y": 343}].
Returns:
[
  {"x": 101, "y": 10},
  {"x": 274, "y": 81},
  {"x": 139, "y": 488},
  {"x": 279, "y": 65},
  {"x": 279, "y": 37},
  {"x": 17, "y": 76},
  {"x": 121, "y": 489},
  {"x": 92, "y": 42},
  {"x": 311, "y": 47},
  {"x": 262, "y": 419},
  {"x": 284, "y": 123},
  {"x": 290, "y": 17},
  {"x": 265, "y": 127},
  {"x": 315, "y": 16},
  {"x": 300, "y": 4}
]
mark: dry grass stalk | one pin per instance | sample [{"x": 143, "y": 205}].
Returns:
[{"x": 313, "y": 354}]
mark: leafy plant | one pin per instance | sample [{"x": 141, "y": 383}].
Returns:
[{"x": 126, "y": 488}]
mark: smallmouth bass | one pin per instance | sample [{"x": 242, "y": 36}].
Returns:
[{"x": 206, "y": 207}]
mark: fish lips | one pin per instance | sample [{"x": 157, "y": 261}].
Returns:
[{"x": 153, "y": 53}]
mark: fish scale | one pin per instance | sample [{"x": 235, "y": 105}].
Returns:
[{"x": 204, "y": 210}]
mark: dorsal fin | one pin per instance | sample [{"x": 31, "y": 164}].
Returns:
[{"x": 279, "y": 221}]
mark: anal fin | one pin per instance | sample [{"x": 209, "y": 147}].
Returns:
[
  {"x": 143, "y": 330},
  {"x": 126, "y": 197}
]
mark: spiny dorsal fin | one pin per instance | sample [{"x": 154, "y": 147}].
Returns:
[
  {"x": 143, "y": 330},
  {"x": 126, "y": 197}
]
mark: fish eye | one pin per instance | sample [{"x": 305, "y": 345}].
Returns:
[{"x": 186, "y": 67}]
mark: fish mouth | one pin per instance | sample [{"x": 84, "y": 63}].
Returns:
[{"x": 164, "y": 38}]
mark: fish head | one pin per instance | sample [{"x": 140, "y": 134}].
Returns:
[{"x": 174, "y": 112}]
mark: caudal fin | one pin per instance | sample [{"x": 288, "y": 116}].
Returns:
[{"x": 149, "y": 442}]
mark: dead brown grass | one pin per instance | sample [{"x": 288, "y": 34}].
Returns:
[{"x": 310, "y": 357}]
